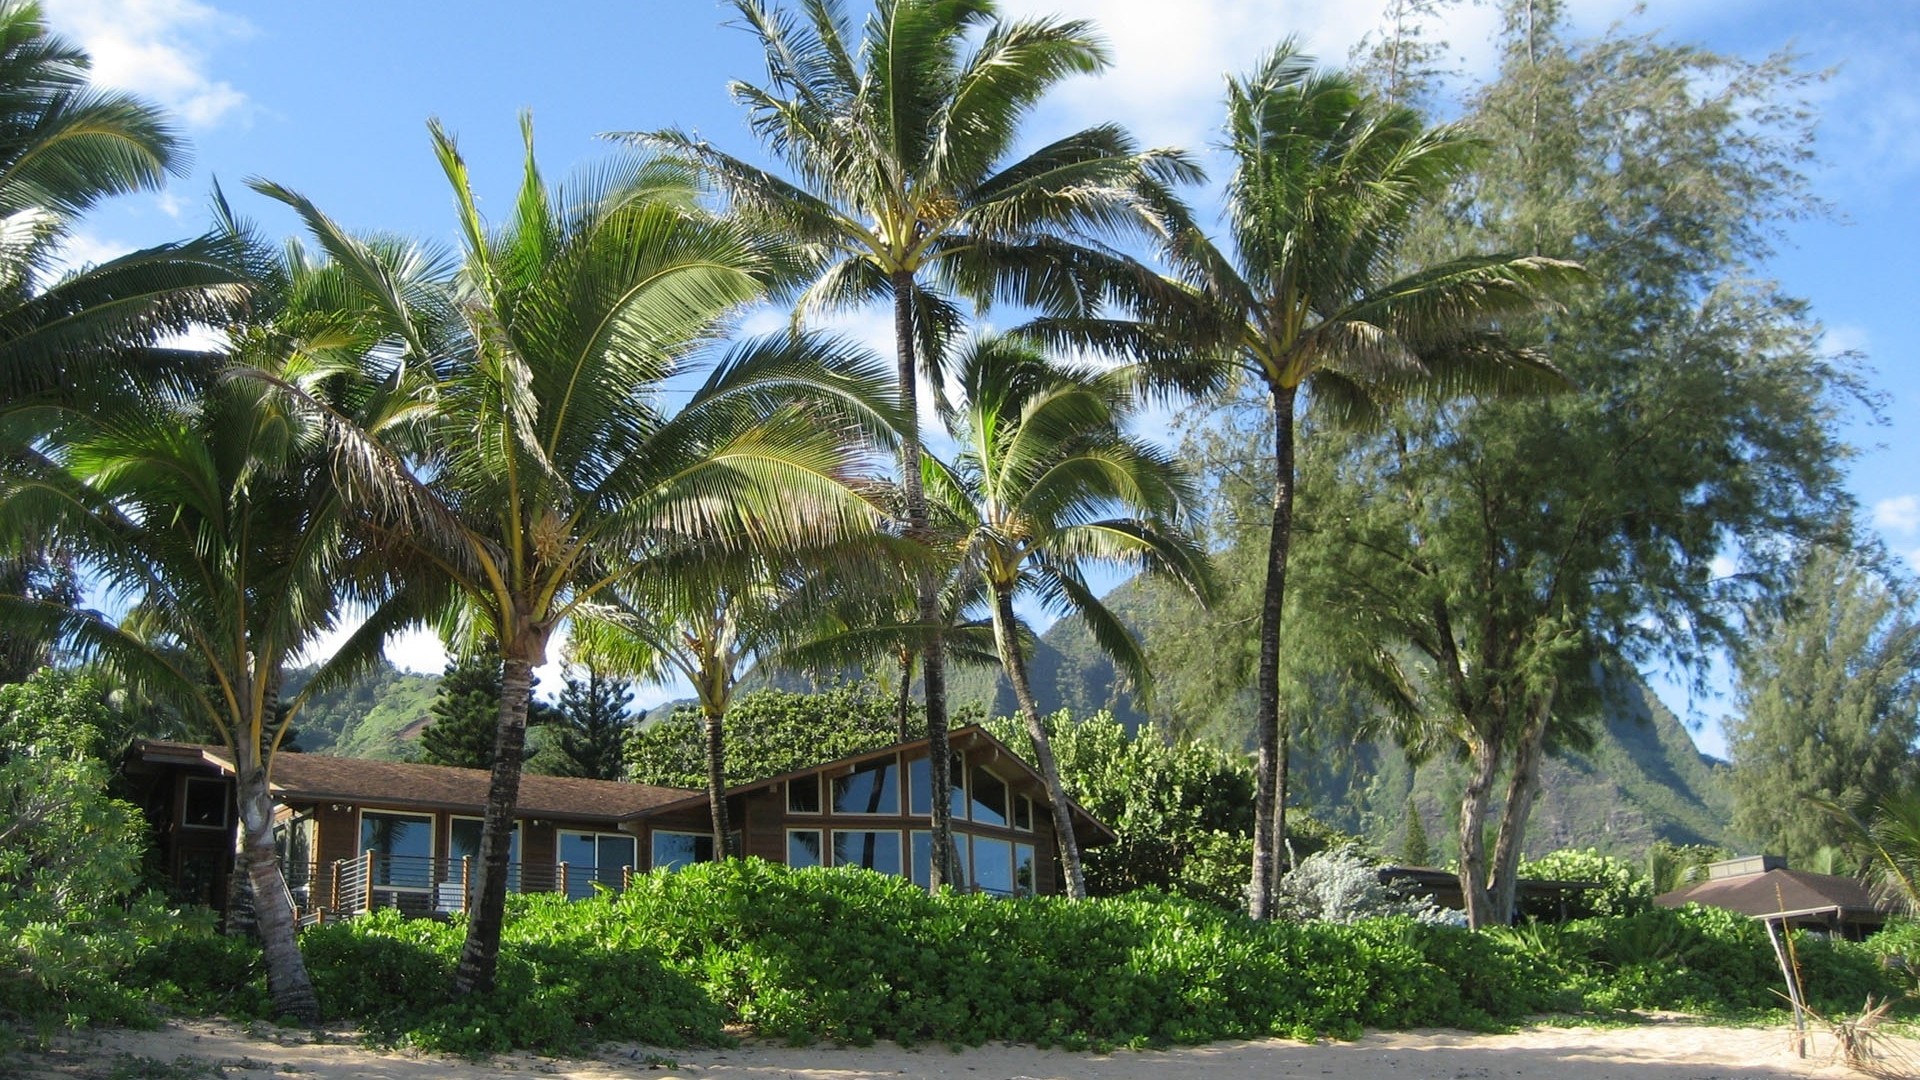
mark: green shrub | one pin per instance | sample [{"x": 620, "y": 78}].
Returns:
[{"x": 1623, "y": 889}]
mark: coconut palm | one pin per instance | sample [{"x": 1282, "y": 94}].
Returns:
[
  {"x": 65, "y": 146},
  {"x": 549, "y": 472},
  {"x": 900, "y": 137},
  {"x": 215, "y": 518},
  {"x": 1315, "y": 294},
  {"x": 1049, "y": 483}
]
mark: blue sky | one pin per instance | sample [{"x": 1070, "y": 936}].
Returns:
[{"x": 332, "y": 99}]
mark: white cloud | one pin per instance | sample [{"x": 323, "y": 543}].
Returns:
[
  {"x": 158, "y": 48},
  {"x": 1900, "y": 514}
]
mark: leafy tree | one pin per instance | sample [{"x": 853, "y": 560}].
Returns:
[
  {"x": 1321, "y": 292},
  {"x": 1520, "y": 546},
  {"x": 589, "y": 726},
  {"x": 1829, "y": 692},
  {"x": 1048, "y": 483},
  {"x": 901, "y": 143},
  {"x": 68, "y": 851},
  {"x": 539, "y": 470},
  {"x": 772, "y": 732}
]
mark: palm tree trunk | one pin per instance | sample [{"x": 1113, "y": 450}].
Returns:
[
  {"x": 1484, "y": 759},
  {"x": 1269, "y": 749},
  {"x": 481, "y": 953},
  {"x": 934, "y": 651},
  {"x": 903, "y": 708},
  {"x": 1523, "y": 787},
  {"x": 287, "y": 982},
  {"x": 1016, "y": 665},
  {"x": 717, "y": 784}
]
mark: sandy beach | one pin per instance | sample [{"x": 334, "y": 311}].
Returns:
[{"x": 1667, "y": 1049}]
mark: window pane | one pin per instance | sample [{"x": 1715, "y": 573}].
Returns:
[
  {"x": 616, "y": 858},
  {"x": 922, "y": 858},
  {"x": 919, "y": 788},
  {"x": 961, "y": 854},
  {"x": 206, "y": 804},
  {"x": 873, "y": 850},
  {"x": 673, "y": 850},
  {"x": 993, "y": 866},
  {"x": 803, "y": 795},
  {"x": 1023, "y": 813},
  {"x": 989, "y": 798},
  {"x": 803, "y": 847},
  {"x": 873, "y": 788},
  {"x": 402, "y": 847},
  {"x": 1023, "y": 870},
  {"x": 463, "y": 841}
]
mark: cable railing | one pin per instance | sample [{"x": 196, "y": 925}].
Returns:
[{"x": 420, "y": 885}]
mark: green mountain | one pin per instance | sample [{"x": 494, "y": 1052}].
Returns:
[{"x": 377, "y": 716}]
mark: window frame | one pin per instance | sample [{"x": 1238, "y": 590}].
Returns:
[
  {"x": 653, "y": 860},
  {"x": 820, "y": 835},
  {"x": 433, "y": 846},
  {"x": 559, "y": 849},
  {"x": 226, "y": 803}
]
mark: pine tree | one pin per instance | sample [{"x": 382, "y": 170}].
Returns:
[
  {"x": 1415, "y": 850},
  {"x": 589, "y": 728},
  {"x": 466, "y": 710}
]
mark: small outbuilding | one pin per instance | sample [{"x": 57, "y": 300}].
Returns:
[{"x": 1762, "y": 887}]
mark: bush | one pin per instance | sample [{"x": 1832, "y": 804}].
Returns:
[
  {"x": 1624, "y": 890},
  {"x": 1341, "y": 885}
]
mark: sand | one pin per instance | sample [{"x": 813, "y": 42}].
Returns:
[{"x": 1664, "y": 1049}]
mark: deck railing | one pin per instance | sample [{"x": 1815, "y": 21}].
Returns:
[{"x": 420, "y": 885}]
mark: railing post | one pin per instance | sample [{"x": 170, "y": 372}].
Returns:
[
  {"x": 466, "y": 882},
  {"x": 366, "y": 885},
  {"x": 626, "y": 878},
  {"x": 333, "y": 897},
  {"x": 563, "y": 880}
]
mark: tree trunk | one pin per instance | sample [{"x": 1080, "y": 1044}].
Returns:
[
  {"x": 481, "y": 953},
  {"x": 1016, "y": 665},
  {"x": 287, "y": 982},
  {"x": 1269, "y": 749},
  {"x": 1280, "y": 798},
  {"x": 239, "y": 918},
  {"x": 1484, "y": 759},
  {"x": 717, "y": 786},
  {"x": 903, "y": 709},
  {"x": 927, "y": 590},
  {"x": 1523, "y": 787}
]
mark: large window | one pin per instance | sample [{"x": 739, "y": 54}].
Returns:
[
  {"x": 993, "y": 866},
  {"x": 207, "y": 803},
  {"x": 803, "y": 847},
  {"x": 921, "y": 858},
  {"x": 872, "y": 788},
  {"x": 989, "y": 797},
  {"x": 920, "y": 788},
  {"x": 595, "y": 858},
  {"x": 463, "y": 836},
  {"x": 803, "y": 795},
  {"x": 402, "y": 847},
  {"x": 875, "y": 850},
  {"x": 673, "y": 850}
]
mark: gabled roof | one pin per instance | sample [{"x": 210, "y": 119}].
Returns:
[
  {"x": 318, "y": 778},
  {"x": 1782, "y": 894},
  {"x": 1087, "y": 828}
]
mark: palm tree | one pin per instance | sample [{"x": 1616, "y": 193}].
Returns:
[
  {"x": 215, "y": 516},
  {"x": 1050, "y": 482},
  {"x": 65, "y": 146},
  {"x": 1315, "y": 293},
  {"x": 546, "y": 471},
  {"x": 900, "y": 137}
]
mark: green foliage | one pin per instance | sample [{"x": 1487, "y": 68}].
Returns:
[
  {"x": 466, "y": 712},
  {"x": 1415, "y": 850},
  {"x": 67, "y": 855},
  {"x": 769, "y": 732},
  {"x": 1898, "y": 946},
  {"x": 1624, "y": 890},
  {"x": 1829, "y": 688}
]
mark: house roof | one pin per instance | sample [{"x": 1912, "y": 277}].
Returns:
[
  {"x": 1783, "y": 893},
  {"x": 1088, "y": 829},
  {"x": 319, "y": 778}
]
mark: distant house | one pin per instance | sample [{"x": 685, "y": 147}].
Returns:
[
  {"x": 355, "y": 835},
  {"x": 1762, "y": 887}
]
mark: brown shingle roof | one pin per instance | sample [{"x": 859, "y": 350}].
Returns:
[
  {"x": 318, "y": 778},
  {"x": 1783, "y": 892}
]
